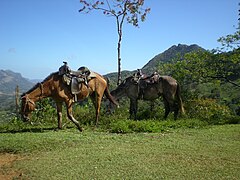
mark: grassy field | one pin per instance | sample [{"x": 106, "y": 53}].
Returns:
[{"x": 205, "y": 153}]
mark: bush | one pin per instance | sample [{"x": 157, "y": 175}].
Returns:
[
  {"x": 209, "y": 110},
  {"x": 121, "y": 126},
  {"x": 45, "y": 112}
]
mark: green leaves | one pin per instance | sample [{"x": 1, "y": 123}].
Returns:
[
  {"x": 231, "y": 41},
  {"x": 205, "y": 66},
  {"x": 133, "y": 10}
]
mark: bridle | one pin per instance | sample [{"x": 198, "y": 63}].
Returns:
[{"x": 28, "y": 100}]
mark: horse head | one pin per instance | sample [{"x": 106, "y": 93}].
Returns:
[{"x": 27, "y": 106}]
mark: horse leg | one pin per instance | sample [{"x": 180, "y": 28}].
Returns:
[
  {"x": 70, "y": 116},
  {"x": 176, "y": 110},
  {"x": 133, "y": 108},
  {"x": 167, "y": 108},
  {"x": 59, "y": 114},
  {"x": 96, "y": 99},
  {"x": 136, "y": 108}
]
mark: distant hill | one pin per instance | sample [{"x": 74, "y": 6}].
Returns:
[
  {"x": 9, "y": 80},
  {"x": 168, "y": 55}
]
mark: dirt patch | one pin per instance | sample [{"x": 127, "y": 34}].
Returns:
[{"x": 7, "y": 172}]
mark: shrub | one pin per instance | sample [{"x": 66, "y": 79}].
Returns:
[
  {"x": 45, "y": 112},
  {"x": 121, "y": 126},
  {"x": 208, "y": 110}
]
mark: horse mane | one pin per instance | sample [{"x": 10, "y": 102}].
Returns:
[
  {"x": 124, "y": 81},
  {"x": 121, "y": 85},
  {"x": 37, "y": 85},
  {"x": 49, "y": 77}
]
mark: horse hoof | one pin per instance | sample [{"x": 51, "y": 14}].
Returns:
[{"x": 81, "y": 129}]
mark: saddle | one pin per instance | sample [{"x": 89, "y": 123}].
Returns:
[
  {"x": 76, "y": 79},
  {"x": 144, "y": 81}
]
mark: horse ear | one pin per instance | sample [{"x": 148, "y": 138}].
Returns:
[{"x": 24, "y": 97}]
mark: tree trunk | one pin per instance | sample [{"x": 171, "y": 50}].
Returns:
[
  {"x": 119, "y": 29},
  {"x": 119, "y": 64}
]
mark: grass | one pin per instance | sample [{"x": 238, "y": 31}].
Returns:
[{"x": 205, "y": 153}]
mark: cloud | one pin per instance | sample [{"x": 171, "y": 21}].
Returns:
[{"x": 12, "y": 50}]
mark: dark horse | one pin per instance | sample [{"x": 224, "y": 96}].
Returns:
[
  {"x": 164, "y": 86},
  {"x": 54, "y": 87}
]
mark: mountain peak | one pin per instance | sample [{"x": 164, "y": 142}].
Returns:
[
  {"x": 170, "y": 54},
  {"x": 184, "y": 47}
]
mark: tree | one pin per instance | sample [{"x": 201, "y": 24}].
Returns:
[
  {"x": 131, "y": 10},
  {"x": 205, "y": 66},
  {"x": 232, "y": 41},
  {"x": 229, "y": 62}
]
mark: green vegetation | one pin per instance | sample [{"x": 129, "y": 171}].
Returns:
[{"x": 201, "y": 113}]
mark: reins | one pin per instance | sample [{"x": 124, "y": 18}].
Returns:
[{"x": 28, "y": 100}]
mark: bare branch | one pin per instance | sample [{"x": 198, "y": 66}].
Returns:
[{"x": 224, "y": 79}]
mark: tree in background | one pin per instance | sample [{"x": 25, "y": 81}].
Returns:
[
  {"x": 131, "y": 10},
  {"x": 227, "y": 64},
  {"x": 232, "y": 41}
]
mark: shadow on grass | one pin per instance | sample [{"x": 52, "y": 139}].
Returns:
[
  {"x": 35, "y": 130},
  {"x": 32, "y": 129}
]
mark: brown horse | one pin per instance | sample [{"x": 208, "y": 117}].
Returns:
[
  {"x": 136, "y": 88},
  {"x": 54, "y": 87}
]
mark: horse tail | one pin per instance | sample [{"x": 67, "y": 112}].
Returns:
[
  {"x": 110, "y": 97},
  {"x": 179, "y": 99}
]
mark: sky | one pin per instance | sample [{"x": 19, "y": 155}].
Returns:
[{"x": 36, "y": 36}]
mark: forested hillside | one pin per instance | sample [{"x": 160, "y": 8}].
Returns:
[{"x": 9, "y": 80}]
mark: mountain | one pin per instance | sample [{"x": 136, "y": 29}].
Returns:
[
  {"x": 170, "y": 54},
  {"x": 166, "y": 56},
  {"x": 9, "y": 80}
]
